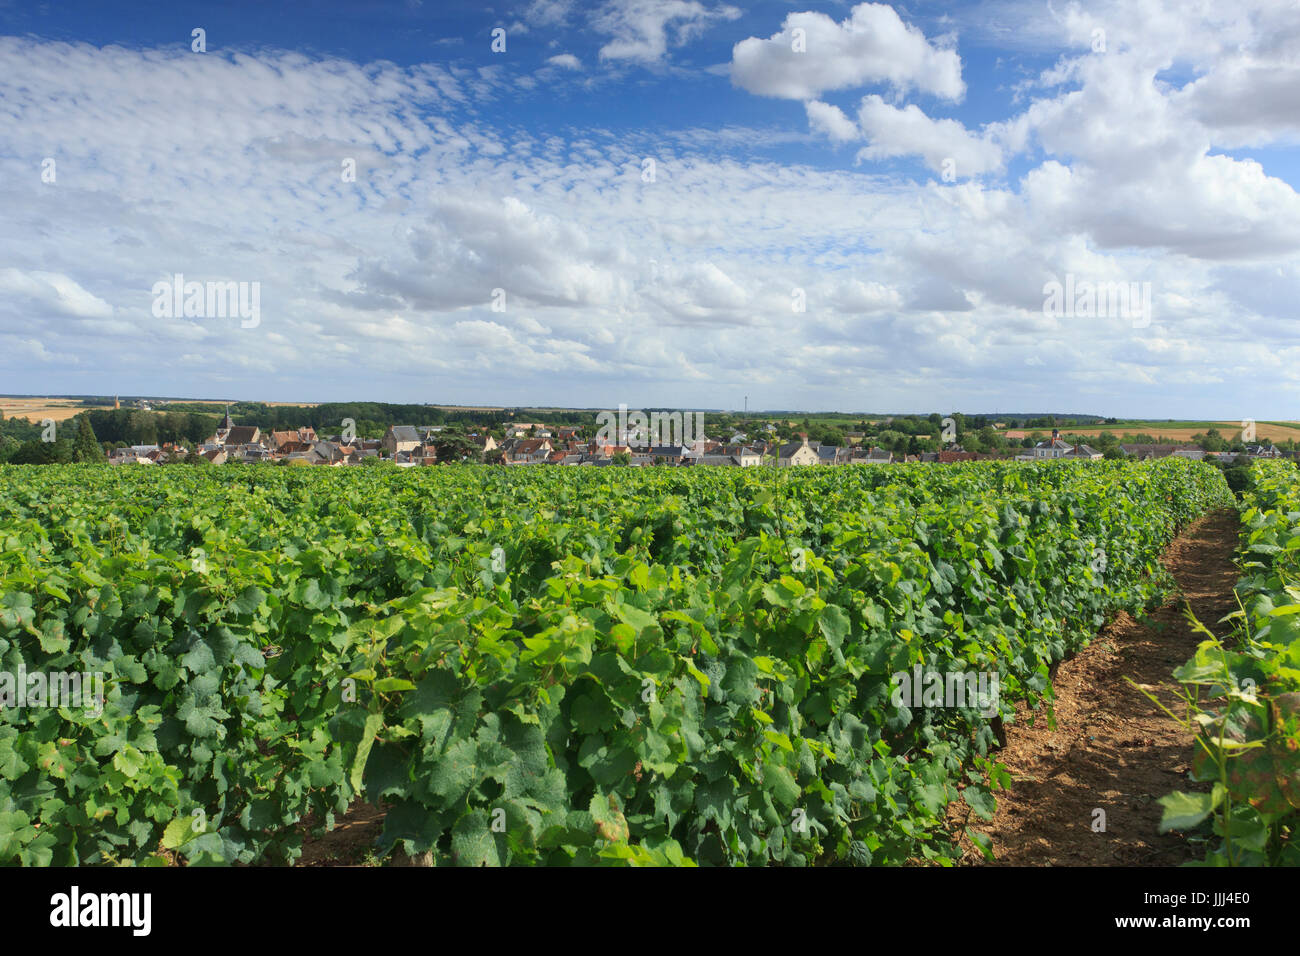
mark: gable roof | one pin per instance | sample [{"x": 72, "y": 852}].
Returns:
[
  {"x": 405, "y": 433},
  {"x": 242, "y": 435}
]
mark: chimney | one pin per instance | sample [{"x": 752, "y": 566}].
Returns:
[{"x": 1056, "y": 433}]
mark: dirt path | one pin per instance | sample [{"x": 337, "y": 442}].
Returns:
[{"x": 1113, "y": 749}]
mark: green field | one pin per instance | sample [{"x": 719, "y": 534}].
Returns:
[{"x": 547, "y": 666}]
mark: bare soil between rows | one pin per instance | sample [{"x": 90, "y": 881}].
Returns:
[{"x": 1112, "y": 748}]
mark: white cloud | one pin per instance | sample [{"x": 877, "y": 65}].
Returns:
[
  {"x": 640, "y": 28},
  {"x": 679, "y": 290},
  {"x": 53, "y": 291},
  {"x": 873, "y": 45},
  {"x": 548, "y": 13},
  {"x": 945, "y": 145},
  {"x": 831, "y": 122},
  {"x": 565, "y": 60}
]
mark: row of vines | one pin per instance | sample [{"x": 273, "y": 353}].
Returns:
[{"x": 1242, "y": 694}]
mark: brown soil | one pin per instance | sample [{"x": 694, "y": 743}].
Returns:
[
  {"x": 1112, "y": 748},
  {"x": 348, "y": 844}
]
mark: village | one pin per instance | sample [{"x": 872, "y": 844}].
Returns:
[{"x": 537, "y": 443}]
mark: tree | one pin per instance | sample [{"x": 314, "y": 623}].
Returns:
[
  {"x": 453, "y": 446},
  {"x": 85, "y": 447},
  {"x": 43, "y": 453},
  {"x": 622, "y": 458},
  {"x": 1211, "y": 440}
]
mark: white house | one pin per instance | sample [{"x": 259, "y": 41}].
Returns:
[{"x": 797, "y": 453}]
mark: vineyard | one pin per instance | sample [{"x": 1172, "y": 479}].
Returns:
[{"x": 553, "y": 666}]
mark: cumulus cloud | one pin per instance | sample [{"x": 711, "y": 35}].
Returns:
[
  {"x": 566, "y": 60},
  {"x": 831, "y": 122},
  {"x": 813, "y": 54},
  {"x": 640, "y": 28},
  {"x": 945, "y": 145}
]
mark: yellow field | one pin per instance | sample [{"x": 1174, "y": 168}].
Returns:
[
  {"x": 39, "y": 409},
  {"x": 1229, "y": 430},
  {"x": 61, "y": 409}
]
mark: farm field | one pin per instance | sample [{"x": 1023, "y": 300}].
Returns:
[
  {"x": 552, "y": 666},
  {"x": 38, "y": 409},
  {"x": 1184, "y": 431}
]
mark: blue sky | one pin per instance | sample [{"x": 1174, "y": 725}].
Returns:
[{"x": 663, "y": 202}]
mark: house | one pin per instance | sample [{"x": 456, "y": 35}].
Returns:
[
  {"x": 1055, "y": 448},
  {"x": 247, "y": 452},
  {"x": 1145, "y": 450},
  {"x": 332, "y": 453},
  {"x": 297, "y": 437},
  {"x": 725, "y": 460},
  {"x": 216, "y": 456},
  {"x": 526, "y": 450},
  {"x": 599, "y": 449},
  {"x": 424, "y": 454},
  {"x": 878, "y": 456},
  {"x": 485, "y": 443},
  {"x": 521, "y": 429},
  {"x": 832, "y": 455},
  {"x": 671, "y": 454},
  {"x": 745, "y": 456},
  {"x": 293, "y": 448},
  {"x": 243, "y": 435},
  {"x": 797, "y": 453},
  {"x": 1084, "y": 451},
  {"x": 1263, "y": 451},
  {"x": 952, "y": 457},
  {"x": 401, "y": 438},
  {"x": 1190, "y": 451},
  {"x": 132, "y": 456}
]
